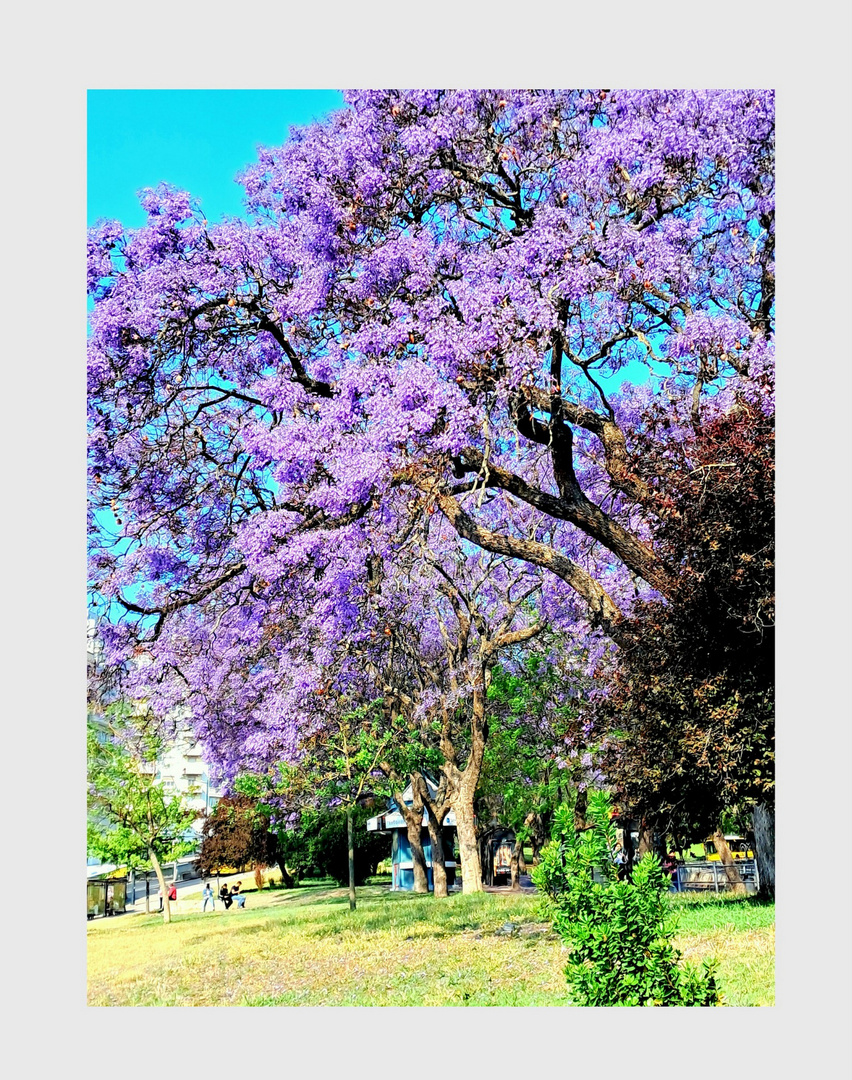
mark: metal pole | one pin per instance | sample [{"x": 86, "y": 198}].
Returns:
[{"x": 715, "y": 878}]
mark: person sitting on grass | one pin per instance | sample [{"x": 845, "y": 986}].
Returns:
[
  {"x": 237, "y": 895},
  {"x": 225, "y": 896}
]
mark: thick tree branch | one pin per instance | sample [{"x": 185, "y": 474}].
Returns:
[
  {"x": 601, "y": 606},
  {"x": 574, "y": 506}
]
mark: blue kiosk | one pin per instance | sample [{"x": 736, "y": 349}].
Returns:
[{"x": 402, "y": 865}]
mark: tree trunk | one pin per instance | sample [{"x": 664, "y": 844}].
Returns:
[
  {"x": 164, "y": 892},
  {"x": 436, "y": 811},
  {"x": 287, "y": 879},
  {"x": 580, "y": 807},
  {"x": 763, "y": 823},
  {"x": 462, "y": 786},
  {"x": 517, "y": 856},
  {"x": 646, "y": 838},
  {"x": 727, "y": 861},
  {"x": 350, "y": 836},
  {"x": 413, "y": 817},
  {"x": 468, "y": 845},
  {"x": 439, "y": 869}
]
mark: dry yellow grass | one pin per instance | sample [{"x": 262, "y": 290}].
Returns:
[{"x": 305, "y": 948}]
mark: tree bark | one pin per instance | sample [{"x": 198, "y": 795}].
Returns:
[
  {"x": 763, "y": 823},
  {"x": 436, "y": 811},
  {"x": 287, "y": 879},
  {"x": 517, "y": 856},
  {"x": 580, "y": 807},
  {"x": 646, "y": 838},
  {"x": 462, "y": 788},
  {"x": 350, "y": 836},
  {"x": 164, "y": 892},
  {"x": 727, "y": 861},
  {"x": 602, "y": 608},
  {"x": 537, "y": 835},
  {"x": 439, "y": 869},
  {"x": 413, "y": 817},
  {"x": 468, "y": 845}
]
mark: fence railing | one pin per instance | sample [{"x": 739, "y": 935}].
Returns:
[{"x": 711, "y": 876}]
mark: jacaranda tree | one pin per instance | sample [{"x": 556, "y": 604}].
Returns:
[{"x": 430, "y": 312}]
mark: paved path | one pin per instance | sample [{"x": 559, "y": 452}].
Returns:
[
  {"x": 184, "y": 889},
  {"x": 525, "y": 883}
]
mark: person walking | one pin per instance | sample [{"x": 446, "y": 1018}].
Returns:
[
  {"x": 670, "y": 864},
  {"x": 208, "y": 896}
]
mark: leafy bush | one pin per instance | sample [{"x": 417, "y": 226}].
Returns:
[{"x": 620, "y": 931}]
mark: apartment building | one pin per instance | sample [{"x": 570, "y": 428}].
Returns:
[{"x": 181, "y": 767}]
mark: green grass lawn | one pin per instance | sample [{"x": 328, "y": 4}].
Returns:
[{"x": 304, "y": 947}]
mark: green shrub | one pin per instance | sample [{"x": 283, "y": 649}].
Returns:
[{"x": 619, "y": 931}]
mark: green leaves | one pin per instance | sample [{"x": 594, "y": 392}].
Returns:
[
  {"x": 620, "y": 931},
  {"x": 129, "y": 812}
]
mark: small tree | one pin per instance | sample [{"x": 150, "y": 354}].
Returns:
[
  {"x": 237, "y": 834},
  {"x": 132, "y": 818},
  {"x": 620, "y": 931},
  {"x": 321, "y": 844},
  {"x": 338, "y": 768},
  {"x": 528, "y": 769}
]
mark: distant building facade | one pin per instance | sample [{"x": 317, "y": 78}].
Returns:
[{"x": 181, "y": 767}]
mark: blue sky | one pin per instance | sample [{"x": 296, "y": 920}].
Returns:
[{"x": 196, "y": 139}]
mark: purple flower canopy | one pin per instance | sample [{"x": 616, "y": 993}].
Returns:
[{"x": 408, "y": 365}]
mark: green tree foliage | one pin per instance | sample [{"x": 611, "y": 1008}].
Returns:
[
  {"x": 527, "y": 771},
  {"x": 620, "y": 932},
  {"x": 318, "y": 846},
  {"x": 688, "y": 720},
  {"x": 322, "y": 796},
  {"x": 132, "y": 819}
]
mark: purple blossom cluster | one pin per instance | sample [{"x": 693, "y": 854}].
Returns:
[{"x": 414, "y": 350}]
